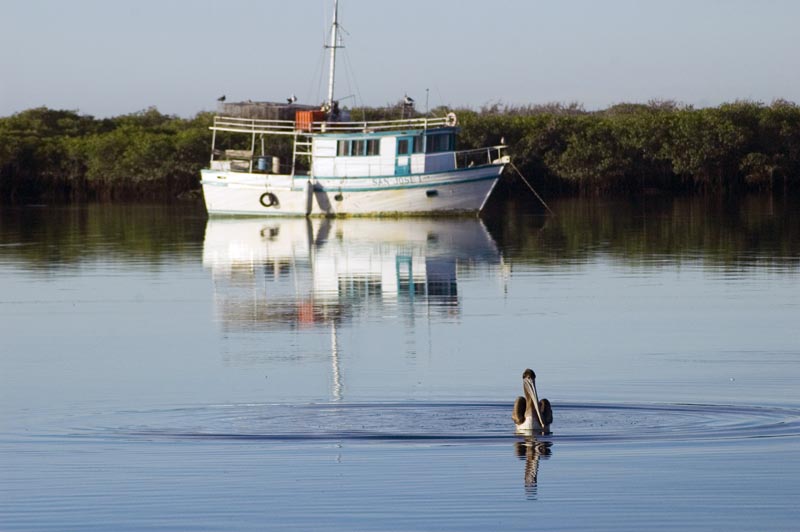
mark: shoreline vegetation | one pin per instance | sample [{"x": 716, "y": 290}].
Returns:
[{"x": 626, "y": 149}]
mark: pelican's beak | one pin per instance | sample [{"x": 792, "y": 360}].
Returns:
[{"x": 531, "y": 387}]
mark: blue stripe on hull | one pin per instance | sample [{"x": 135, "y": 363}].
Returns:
[
  {"x": 320, "y": 188},
  {"x": 418, "y": 174},
  {"x": 346, "y": 187}
]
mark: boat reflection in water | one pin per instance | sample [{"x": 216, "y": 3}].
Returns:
[
  {"x": 274, "y": 274},
  {"x": 283, "y": 275}
]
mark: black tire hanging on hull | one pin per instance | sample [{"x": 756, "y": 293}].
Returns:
[{"x": 268, "y": 199}]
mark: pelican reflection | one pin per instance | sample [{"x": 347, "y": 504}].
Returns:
[{"x": 532, "y": 451}]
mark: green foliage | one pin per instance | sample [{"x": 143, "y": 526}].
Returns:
[
  {"x": 55, "y": 154},
  {"x": 627, "y": 148},
  {"x": 641, "y": 147}
]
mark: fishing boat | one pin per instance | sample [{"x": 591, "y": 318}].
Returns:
[{"x": 333, "y": 166}]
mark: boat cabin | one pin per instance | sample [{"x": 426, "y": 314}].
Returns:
[
  {"x": 339, "y": 149},
  {"x": 390, "y": 153}
]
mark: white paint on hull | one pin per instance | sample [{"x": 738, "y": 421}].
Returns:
[{"x": 235, "y": 193}]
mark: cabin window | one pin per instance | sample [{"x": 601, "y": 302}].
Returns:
[
  {"x": 402, "y": 147},
  {"x": 439, "y": 142},
  {"x": 419, "y": 144},
  {"x": 359, "y": 148},
  {"x": 373, "y": 147}
]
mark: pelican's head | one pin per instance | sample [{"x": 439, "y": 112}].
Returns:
[{"x": 529, "y": 386}]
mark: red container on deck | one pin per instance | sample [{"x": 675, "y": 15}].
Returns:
[{"x": 304, "y": 119}]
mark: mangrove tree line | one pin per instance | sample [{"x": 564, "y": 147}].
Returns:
[
  {"x": 50, "y": 154},
  {"x": 56, "y": 154}
]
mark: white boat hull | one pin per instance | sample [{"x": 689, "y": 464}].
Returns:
[
  {"x": 453, "y": 192},
  {"x": 236, "y": 193}
]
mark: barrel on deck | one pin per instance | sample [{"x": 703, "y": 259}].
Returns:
[
  {"x": 268, "y": 164},
  {"x": 303, "y": 120}
]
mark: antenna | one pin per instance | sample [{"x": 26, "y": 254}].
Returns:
[{"x": 427, "y": 91}]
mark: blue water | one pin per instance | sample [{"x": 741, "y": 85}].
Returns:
[{"x": 161, "y": 371}]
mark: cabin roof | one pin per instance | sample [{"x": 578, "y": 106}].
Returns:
[{"x": 262, "y": 110}]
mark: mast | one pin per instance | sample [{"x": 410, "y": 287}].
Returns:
[{"x": 333, "y": 46}]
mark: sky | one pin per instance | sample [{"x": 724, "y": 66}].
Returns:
[{"x": 112, "y": 57}]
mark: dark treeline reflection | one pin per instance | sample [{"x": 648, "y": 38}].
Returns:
[
  {"x": 754, "y": 231},
  {"x": 751, "y": 231},
  {"x": 46, "y": 237}
]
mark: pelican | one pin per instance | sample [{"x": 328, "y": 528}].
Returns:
[{"x": 529, "y": 412}]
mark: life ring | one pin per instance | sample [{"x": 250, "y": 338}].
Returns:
[
  {"x": 268, "y": 199},
  {"x": 451, "y": 120}
]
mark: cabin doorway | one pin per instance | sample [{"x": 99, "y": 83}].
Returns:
[{"x": 403, "y": 160}]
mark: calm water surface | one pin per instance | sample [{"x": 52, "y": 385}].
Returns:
[{"x": 159, "y": 370}]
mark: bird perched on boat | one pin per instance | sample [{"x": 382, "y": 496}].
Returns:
[
  {"x": 529, "y": 412},
  {"x": 291, "y": 99},
  {"x": 221, "y": 98}
]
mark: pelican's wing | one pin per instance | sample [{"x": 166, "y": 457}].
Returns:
[
  {"x": 547, "y": 411},
  {"x": 519, "y": 411}
]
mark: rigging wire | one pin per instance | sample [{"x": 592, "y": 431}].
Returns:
[
  {"x": 324, "y": 20},
  {"x": 319, "y": 69},
  {"x": 350, "y": 72},
  {"x": 441, "y": 100}
]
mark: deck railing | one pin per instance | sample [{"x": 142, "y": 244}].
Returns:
[
  {"x": 243, "y": 161},
  {"x": 479, "y": 156},
  {"x": 291, "y": 127},
  {"x": 381, "y": 125}
]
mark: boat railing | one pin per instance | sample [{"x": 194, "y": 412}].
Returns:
[
  {"x": 480, "y": 156},
  {"x": 292, "y": 127},
  {"x": 253, "y": 125},
  {"x": 382, "y": 125}
]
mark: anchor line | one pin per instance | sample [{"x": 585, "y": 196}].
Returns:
[{"x": 532, "y": 189}]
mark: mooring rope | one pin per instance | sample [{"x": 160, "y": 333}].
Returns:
[{"x": 532, "y": 189}]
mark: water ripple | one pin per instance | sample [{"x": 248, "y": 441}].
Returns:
[{"x": 451, "y": 422}]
